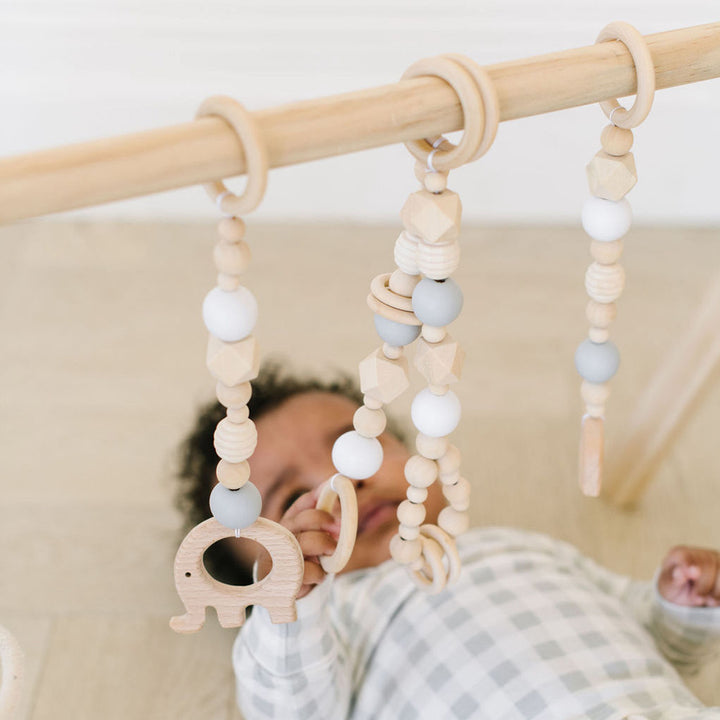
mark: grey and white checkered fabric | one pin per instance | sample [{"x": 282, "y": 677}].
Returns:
[{"x": 533, "y": 629}]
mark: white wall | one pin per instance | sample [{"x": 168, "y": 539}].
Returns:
[{"x": 80, "y": 69}]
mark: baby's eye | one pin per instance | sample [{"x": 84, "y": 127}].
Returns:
[{"x": 291, "y": 499}]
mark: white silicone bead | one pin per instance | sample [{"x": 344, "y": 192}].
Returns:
[
  {"x": 606, "y": 220},
  {"x": 435, "y": 415},
  {"x": 236, "y": 509},
  {"x": 230, "y": 316},
  {"x": 357, "y": 457}
]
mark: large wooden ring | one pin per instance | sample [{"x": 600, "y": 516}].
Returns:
[
  {"x": 256, "y": 156},
  {"x": 432, "y": 575},
  {"x": 644, "y": 69},
  {"x": 340, "y": 487}
]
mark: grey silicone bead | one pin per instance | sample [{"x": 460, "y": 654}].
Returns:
[
  {"x": 437, "y": 303},
  {"x": 597, "y": 362},
  {"x": 395, "y": 333},
  {"x": 236, "y": 509}
]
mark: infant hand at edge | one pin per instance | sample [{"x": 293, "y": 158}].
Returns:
[{"x": 691, "y": 576}]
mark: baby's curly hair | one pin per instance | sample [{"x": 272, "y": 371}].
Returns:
[{"x": 197, "y": 459}]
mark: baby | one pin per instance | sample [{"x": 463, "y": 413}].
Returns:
[{"x": 532, "y": 629}]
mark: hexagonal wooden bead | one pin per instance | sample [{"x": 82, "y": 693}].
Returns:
[
  {"x": 611, "y": 177},
  {"x": 233, "y": 363},
  {"x": 235, "y": 442},
  {"x": 383, "y": 378},
  {"x": 439, "y": 363},
  {"x": 599, "y": 314},
  {"x": 604, "y": 283},
  {"x": 616, "y": 140},
  {"x": 434, "y": 218}
]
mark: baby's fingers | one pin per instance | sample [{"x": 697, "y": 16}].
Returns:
[
  {"x": 312, "y": 520},
  {"x": 314, "y": 543}
]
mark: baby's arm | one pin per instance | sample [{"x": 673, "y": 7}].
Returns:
[{"x": 296, "y": 670}]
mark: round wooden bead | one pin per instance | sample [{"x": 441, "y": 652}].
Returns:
[
  {"x": 458, "y": 495},
  {"x": 417, "y": 494},
  {"x": 403, "y": 284},
  {"x": 604, "y": 283},
  {"x": 230, "y": 316},
  {"x": 233, "y": 475},
  {"x": 435, "y": 415},
  {"x": 435, "y": 182},
  {"x": 357, "y": 457},
  {"x": 236, "y": 509},
  {"x": 228, "y": 283},
  {"x": 405, "y": 551},
  {"x": 431, "y": 447},
  {"x": 409, "y": 532},
  {"x": 433, "y": 334},
  {"x": 235, "y": 442},
  {"x": 597, "y": 362},
  {"x": 392, "y": 352},
  {"x": 616, "y": 140},
  {"x": 238, "y": 413},
  {"x": 600, "y": 314},
  {"x": 231, "y": 229},
  {"x": 438, "y": 262},
  {"x": 599, "y": 335},
  {"x": 606, "y": 220},
  {"x": 594, "y": 393},
  {"x": 454, "y": 522},
  {"x": 406, "y": 253},
  {"x": 369, "y": 423},
  {"x": 437, "y": 303},
  {"x": 233, "y": 395},
  {"x": 420, "y": 472},
  {"x": 395, "y": 333},
  {"x": 606, "y": 253},
  {"x": 372, "y": 403},
  {"x": 232, "y": 258},
  {"x": 450, "y": 461},
  {"x": 409, "y": 513},
  {"x": 450, "y": 478}
]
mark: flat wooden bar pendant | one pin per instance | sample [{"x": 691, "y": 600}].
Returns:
[{"x": 591, "y": 455}]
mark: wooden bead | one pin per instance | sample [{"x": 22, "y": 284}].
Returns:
[
  {"x": 233, "y": 475},
  {"x": 233, "y": 363},
  {"x": 440, "y": 363},
  {"x": 606, "y": 253},
  {"x": 228, "y": 283},
  {"x": 409, "y": 513},
  {"x": 235, "y": 395},
  {"x": 450, "y": 461},
  {"x": 432, "y": 218},
  {"x": 232, "y": 258},
  {"x": 450, "y": 478},
  {"x": 421, "y": 170},
  {"x": 458, "y": 495},
  {"x": 435, "y": 182},
  {"x": 372, "y": 403},
  {"x": 454, "y": 522},
  {"x": 420, "y": 471},
  {"x": 238, "y": 413},
  {"x": 405, "y": 253},
  {"x": 611, "y": 177},
  {"x": 405, "y": 551},
  {"x": 431, "y": 447},
  {"x": 433, "y": 334},
  {"x": 382, "y": 378},
  {"x": 235, "y": 442},
  {"x": 438, "y": 261},
  {"x": 599, "y": 314},
  {"x": 392, "y": 351},
  {"x": 594, "y": 393},
  {"x": 380, "y": 288},
  {"x": 231, "y": 229},
  {"x": 604, "y": 283},
  {"x": 599, "y": 335},
  {"x": 409, "y": 532},
  {"x": 403, "y": 284},
  {"x": 616, "y": 140},
  {"x": 438, "y": 389},
  {"x": 417, "y": 494},
  {"x": 369, "y": 423}
]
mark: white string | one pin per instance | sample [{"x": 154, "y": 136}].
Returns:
[
  {"x": 332, "y": 483},
  {"x": 237, "y": 532},
  {"x": 587, "y": 415},
  {"x": 612, "y": 112},
  {"x": 436, "y": 147}
]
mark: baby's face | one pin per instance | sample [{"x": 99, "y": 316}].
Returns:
[{"x": 293, "y": 456}]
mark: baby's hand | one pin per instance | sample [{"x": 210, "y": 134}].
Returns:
[{"x": 691, "y": 576}]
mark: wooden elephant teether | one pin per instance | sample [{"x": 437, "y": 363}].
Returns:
[{"x": 198, "y": 589}]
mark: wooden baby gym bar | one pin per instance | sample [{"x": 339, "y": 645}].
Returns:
[{"x": 205, "y": 149}]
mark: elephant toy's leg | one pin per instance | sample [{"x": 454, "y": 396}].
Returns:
[
  {"x": 231, "y": 617},
  {"x": 190, "y": 622},
  {"x": 283, "y": 614}
]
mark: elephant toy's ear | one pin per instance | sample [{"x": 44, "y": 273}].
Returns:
[{"x": 198, "y": 589}]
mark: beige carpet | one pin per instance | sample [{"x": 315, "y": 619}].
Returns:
[{"x": 103, "y": 367}]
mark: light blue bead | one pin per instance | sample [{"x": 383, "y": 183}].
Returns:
[
  {"x": 597, "y": 362},
  {"x": 437, "y": 303},
  {"x": 395, "y": 333},
  {"x": 236, "y": 509}
]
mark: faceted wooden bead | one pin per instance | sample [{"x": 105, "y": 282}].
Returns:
[
  {"x": 420, "y": 471},
  {"x": 402, "y": 283},
  {"x": 432, "y": 218},
  {"x": 431, "y": 447},
  {"x": 433, "y": 334},
  {"x": 238, "y": 413},
  {"x": 417, "y": 494},
  {"x": 233, "y": 363},
  {"x": 369, "y": 423},
  {"x": 392, "y": 351},
  {"x": 435, "y": 182},
  {"x": 232, "y": 258},
  {"x": 458, "y": 495},
  {"x": 233, "y": 475},
  {"x": 439, "y": 363},
  {"x": 454, "y": 522},
  {"x": 409, "y": 513},
  {"x": 382, "y": 378},
  {"x": 450, "y": 461},
  {"x": 235, "y": 442},
  {"x": 409, "y": 532},
  {"x": 606, "y": 253},
  {"x": 405, "y": 551},
  {"x": 228, "y": 283},
  {"x": 438, "y": 261},
  {"x": 231, "y": 229},
  {"x": 600, "y": 314},
  {"x": 604, "y": 283},
  {"x": 235, "y": 395},
  {"x": 616, "y": 140},
  {"x": 406, "y": 253},
  {"x": 611, "y": 177},
  {"x": 598, "y": 335}
]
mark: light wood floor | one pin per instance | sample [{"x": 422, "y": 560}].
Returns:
[{"x": 103, "y": 367}]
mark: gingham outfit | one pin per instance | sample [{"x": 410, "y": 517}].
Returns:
[{"x": 532, "y": 629}]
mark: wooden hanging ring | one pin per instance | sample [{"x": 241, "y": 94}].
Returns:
[
  {"x": 472, "y": 105},
  {"x": 644, "y": 69},
  {"x": 448, "y": 546},
  {"x": 340, "y": 487},
  {"x": 256, "y": 156},
  {"x": 432, "y": 575}
]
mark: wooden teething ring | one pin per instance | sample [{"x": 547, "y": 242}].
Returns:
[
  {"x": 431, "y": 575},
  {"x": 341, "y": 487},
  {"x": 644, "y": 69},
  {"x": 448, "y": 546}
]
